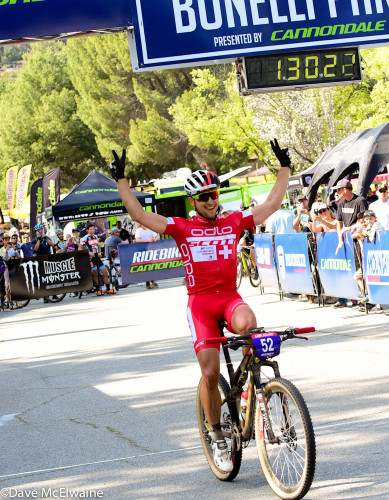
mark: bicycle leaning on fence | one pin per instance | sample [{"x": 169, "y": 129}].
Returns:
[
  {"x": 246, "y": 267},
  {"x": 258, "y": 403}
]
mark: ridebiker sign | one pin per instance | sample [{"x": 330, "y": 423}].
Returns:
[
  {"x": 36, "y": 277},
  {"x": 150, "y": 261},
  {"x": 179, "y": 32}
]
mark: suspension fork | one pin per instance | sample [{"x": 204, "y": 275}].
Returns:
[{"x": 260, "y": 398}]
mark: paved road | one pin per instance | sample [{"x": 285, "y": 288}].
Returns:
[{"x": 97, "y": 398}]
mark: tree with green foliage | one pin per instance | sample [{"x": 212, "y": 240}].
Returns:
[
  {"x": 215, "y": 119},
  {"x": 39, "y": 121},
  {"x": 125, "y": 109}
]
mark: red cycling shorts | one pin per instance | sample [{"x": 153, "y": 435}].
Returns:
[{"x": 204, "y": 313}]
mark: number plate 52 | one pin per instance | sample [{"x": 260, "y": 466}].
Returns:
[{"x": 267, "y": 344}]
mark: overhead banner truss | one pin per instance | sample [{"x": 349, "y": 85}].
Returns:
[
  {"x": 169, "y": 33},
  {"x": 34, "y": 20}
]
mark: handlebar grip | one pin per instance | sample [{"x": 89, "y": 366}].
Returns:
[
  {"x": 216, "y": 340},
  {"x": 307, "y": 329}
]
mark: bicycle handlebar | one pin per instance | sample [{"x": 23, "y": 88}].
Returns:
[
  {"x": 289, "y": 331},
  {"x": 307, "y": 329}
]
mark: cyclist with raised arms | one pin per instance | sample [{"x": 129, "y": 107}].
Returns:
[{"x": 208, "y": 246}]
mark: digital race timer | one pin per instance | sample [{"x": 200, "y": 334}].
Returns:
[{"x": 323, "y": 68}]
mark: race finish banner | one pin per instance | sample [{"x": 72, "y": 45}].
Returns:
[
  {"x": 170, "y": 33},
  {"x": 36, "y": 277},
  {"x": 376, "y": 267},
  {"x": 264, "y": 255},
  {"x": 294, "y": 270},
  {"x": 150, "y": 261},
  {"x": 37, "y": 18},
  {"x": 336, "y": 271}
]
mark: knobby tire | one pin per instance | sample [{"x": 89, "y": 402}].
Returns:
[
  {"x": 226, "y": 424},
  {"x": 289, "y": 465}
]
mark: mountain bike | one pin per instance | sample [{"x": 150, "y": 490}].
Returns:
[
  {"x": 114, "y": 270},
  {"x": 246, "y": 267},
  {"x": 276, "y": 415}
]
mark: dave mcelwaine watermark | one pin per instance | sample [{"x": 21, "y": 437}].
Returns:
[{"x": 50, "y": 493}]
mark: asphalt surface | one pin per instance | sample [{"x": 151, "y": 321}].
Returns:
[{"x": 98, "y": 399}]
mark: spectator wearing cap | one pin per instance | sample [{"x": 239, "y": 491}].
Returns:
[
  {"x": 124, "y": 234},
  {"x": 302, "y": 221},
  {"x": 73, "y": 242},
  {"x": 60, "y": 245},
  {"x": 381, "y": 207},
  {"x": 348, "y": 208},
  {"x": 281, "y": 221},
  {"x": 113, "y": 241},
  {"x": 323, "y": 219}
]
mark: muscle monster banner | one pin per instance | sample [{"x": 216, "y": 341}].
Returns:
[
  {"x": 10, "y": 186},
  {"x": 36, "y": 203},
  {"x": 51, "y": 188},
  {"x": 37, "y": 277}
]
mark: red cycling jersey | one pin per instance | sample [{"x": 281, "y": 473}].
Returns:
[
  {"x": 209, "y": 250},
  {"x": 209, "y": 253}
]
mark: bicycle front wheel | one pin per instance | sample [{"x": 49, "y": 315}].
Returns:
[
  {"x": 227, "y": 425},
  {"x": 56, "y": 298},
  {"x": 288, "y": 464}
]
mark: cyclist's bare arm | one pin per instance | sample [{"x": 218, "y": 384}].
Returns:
[
  {"x": 151, "y": 220},
  {"x": 273, "y": 201}
]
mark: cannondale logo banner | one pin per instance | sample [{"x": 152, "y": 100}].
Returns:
[{"x": 31, "y": 275}]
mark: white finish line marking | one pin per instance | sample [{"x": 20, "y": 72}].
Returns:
[{"x": 87, "y": 464}]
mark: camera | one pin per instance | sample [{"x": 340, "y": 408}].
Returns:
[{"x": 316, "y": 211}]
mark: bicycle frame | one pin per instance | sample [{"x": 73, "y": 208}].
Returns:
[{"x": 252, "y": 368}]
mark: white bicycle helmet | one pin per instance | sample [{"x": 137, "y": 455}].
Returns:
[{"x": 201, "y": 180}]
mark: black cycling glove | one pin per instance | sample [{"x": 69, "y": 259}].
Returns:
[
  {"x": 283, "y": 155},
  {"x": 117, "y": 166}
]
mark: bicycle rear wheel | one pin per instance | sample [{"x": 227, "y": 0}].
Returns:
[
  {"x": 113, "y": 278},
  {"x": 227, "y": 425},
  {"x": 289, "y": 464},
  {"x": 254, "y": 277},
  {"x": 22, "y": 303},
  {"x": 239, "y": 273},
  {"x": 56, "y": 298}
]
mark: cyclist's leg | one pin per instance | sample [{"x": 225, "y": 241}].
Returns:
[
  {"x": 239, "y": 315},
  {"x": 203, "y": 318},
  {"x": 243, "y": 319},
  {"x": 209, "y": 361}
]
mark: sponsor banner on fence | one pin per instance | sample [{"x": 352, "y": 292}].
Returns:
[
  {"x": 294, "y": 270},
  {"x": 10, "y": 186},
  {"x": 376, "y": 267},
  {"x": 336, "y": 271},
  {"x": 265, "y": 259},
  {"x": 45, "y": 275},
  {"x": 150, "y": 261}
]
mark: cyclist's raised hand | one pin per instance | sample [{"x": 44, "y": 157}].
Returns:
[
  {"x": 283, "y": 155},
  {"x": 117, "y": 166}
]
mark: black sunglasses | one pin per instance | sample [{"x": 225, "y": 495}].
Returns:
[
  {"x": 214, "y": 195},
  {"x": 321, "y": 211}
]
